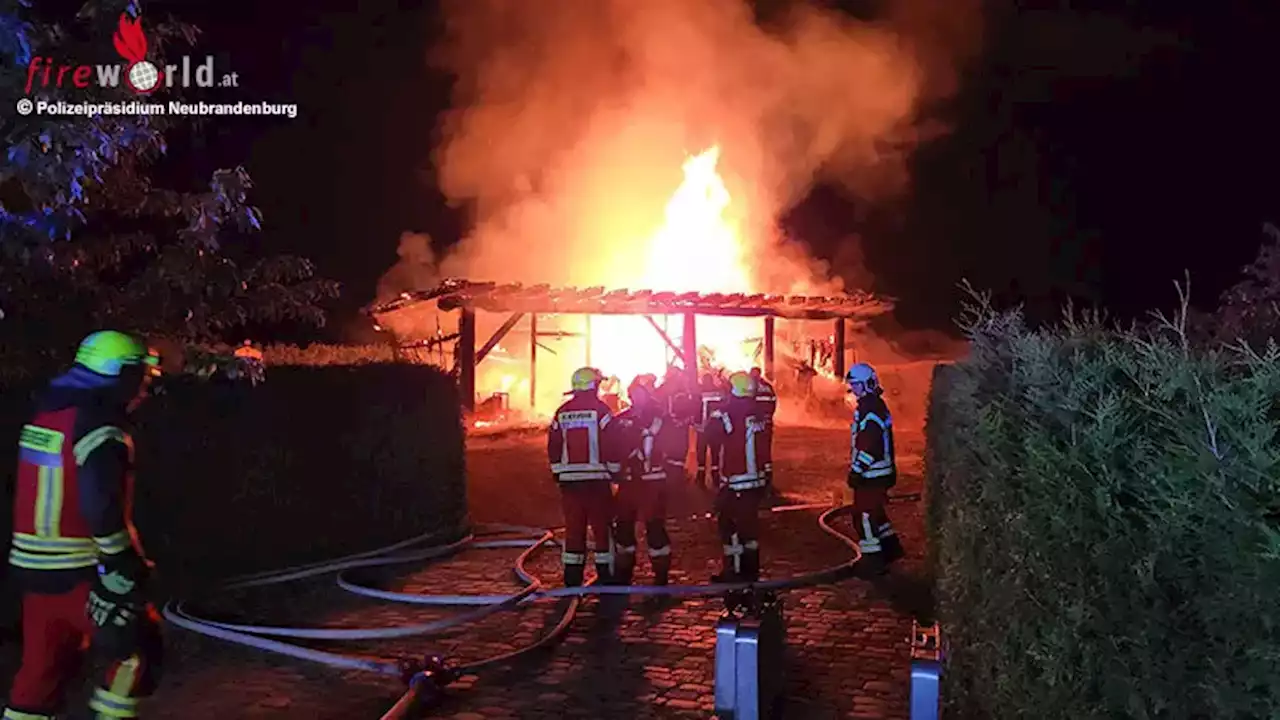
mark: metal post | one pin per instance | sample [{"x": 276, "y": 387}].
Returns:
[
  {"x": 768, "y": 347},
  {"x": 690, "y": 344},
  {"x": 726, "y": 674},
  {"x": 838, "y": 356},
  {"x": 533, "y": 361},
  {"x": 926, "y": 671},
  {"x": 467, "y": 358}
]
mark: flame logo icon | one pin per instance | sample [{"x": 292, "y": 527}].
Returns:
[{"x": 141, "y": 75}]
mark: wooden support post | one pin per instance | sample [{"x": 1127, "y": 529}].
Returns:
[
  {"x": 838, "y": 356},
  {"x": 533, "y": 361},
  {"x": 588, "y": 333},
  {"x": 467, "y": 358},
  {"x": 768, "y": 347},
  {"x": 689, "y": 341},
  {"x": 666, "y": 328}
]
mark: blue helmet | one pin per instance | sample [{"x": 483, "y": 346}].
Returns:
[{"x": 862, "y": 380}]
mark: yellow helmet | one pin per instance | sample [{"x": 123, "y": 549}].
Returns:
[
  {"x": 108, "y": 352},
  {"x": 585, "y": 379},
  {"x": 742, "y": 385}
]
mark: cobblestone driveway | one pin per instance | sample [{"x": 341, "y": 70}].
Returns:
[{"x": 848, "y": 653}]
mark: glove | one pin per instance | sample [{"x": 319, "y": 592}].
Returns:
[
  {"x": 854, "y": 478},
  {"x": 117, "y": 604}
]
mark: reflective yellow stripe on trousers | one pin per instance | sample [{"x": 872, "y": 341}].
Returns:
[
  {"x": 105, "y": 702},
  {"x": 19, "y": 715}
]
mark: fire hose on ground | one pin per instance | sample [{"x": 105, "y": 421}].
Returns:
[{"x": 426, "y": 677}]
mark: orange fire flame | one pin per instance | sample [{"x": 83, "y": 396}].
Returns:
[{"x": 697, "y": 249}]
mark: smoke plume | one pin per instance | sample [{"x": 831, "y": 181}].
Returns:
[
  {"x": 416, "y": 269},
  {"x": 572, "y": 119}
]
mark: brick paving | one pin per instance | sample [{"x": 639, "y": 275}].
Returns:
[{"x": 847, "y": 644}]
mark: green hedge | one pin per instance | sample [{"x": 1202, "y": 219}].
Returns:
[
  {"x": 315, "y": 462},
  {"x": 1103, "y": 511}
]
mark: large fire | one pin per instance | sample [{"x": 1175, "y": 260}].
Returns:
[
  {"x": 697, "y": 249},
  {"x": 698, "y": 246}
]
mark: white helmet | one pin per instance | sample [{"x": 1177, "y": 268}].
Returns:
[{"x": 862, "y": 380}]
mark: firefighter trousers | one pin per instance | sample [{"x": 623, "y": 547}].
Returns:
[
  {"x": 587, "y": 503},
  {"x": 876, "y": 537},
  {"x": 55, "y": 639},
  {"x": 642, "y": 501},
  {"x": 708, "y": 456},
  {"x": 738, "y": 518}
]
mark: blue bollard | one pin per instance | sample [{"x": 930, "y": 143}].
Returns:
[{"x": 926, "y": 671}]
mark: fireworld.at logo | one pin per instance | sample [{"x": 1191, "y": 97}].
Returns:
[{"x": 139, "y": 74}]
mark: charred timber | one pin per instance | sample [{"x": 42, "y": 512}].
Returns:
[
  {"x": 429, "y": 343},
  {"x": 497, "y": 336},
  {"x": 467, "y": 358},
  {"x": 514, "y": 297},
  {"x": 679, "y": 353}
]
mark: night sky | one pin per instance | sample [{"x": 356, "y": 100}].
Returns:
[{"x": 1090, "y": 158}]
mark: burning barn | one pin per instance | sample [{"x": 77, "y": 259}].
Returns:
[
  {"x": 710, "y": 304},
  {"x": 623, "y": 332}
]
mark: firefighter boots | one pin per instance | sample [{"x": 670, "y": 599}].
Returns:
[
  {"x": 573, "y": 575},
  {"x": 604, "y": 573},
  {"x": 750, "y": 571},
  {"x": 661, "y": 569},
  {"x": 625, "y": 569}
]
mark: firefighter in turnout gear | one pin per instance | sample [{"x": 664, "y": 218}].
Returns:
[
  {"x": 711, "y": 396},
  {"x": 742, "y": 435},
  {"x": 655, "y": 455},
  {"x": 768, "y": 402},
  {"x": 76, "y": 556},
  {"x": 583, "y": 452},
  {"x": 872, "y": 469},
  {"x": 681, "y": 408}
]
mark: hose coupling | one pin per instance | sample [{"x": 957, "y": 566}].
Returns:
[{"x": 431, "y": 669}]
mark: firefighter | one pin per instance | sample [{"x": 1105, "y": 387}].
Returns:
[
  {"x": 711, "y": 396},
  {"x": 75, "y": 553},
  {"x": 767, "y": 399},
  {"x": 654, "y": 449},
  {"x": 609, "y": 394},
  {"x": 742, "y": 435},
  {"x": 680, "y": 406},
  {"x": 872, "y": 469},
  {"x": 583, "y": 452}
]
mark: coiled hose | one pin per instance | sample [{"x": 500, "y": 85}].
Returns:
[{"x": 261, "y": 637}]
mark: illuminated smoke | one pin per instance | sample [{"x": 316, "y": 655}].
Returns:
[
  {"x": 589, "y": 139},
  {"x": 416, "y": 269},
  {"x": 572, "y": 121}
]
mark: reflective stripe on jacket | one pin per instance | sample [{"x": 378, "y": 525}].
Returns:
[
  {"x": 872, "y": 459},
  {"x": 50, "y": 531},
  {"x": 745, "y": 454},
  {"x": 581, "y": 443}
]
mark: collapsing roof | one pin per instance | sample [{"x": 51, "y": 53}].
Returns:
[{"x": 456, "y": 294}]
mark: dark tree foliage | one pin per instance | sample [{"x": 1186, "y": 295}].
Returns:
[
  {"x": 1250, "y": 309},
  {"x": 87, "y": 240}
]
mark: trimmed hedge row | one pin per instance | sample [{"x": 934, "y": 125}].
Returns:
[
  {"x": 315, "y": 462},
  {"x": 1103, "y": 511}
]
